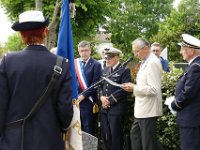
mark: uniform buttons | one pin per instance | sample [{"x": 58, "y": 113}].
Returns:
[
  {"x": 106, "y": 84},
  {"x": 106, "y": 90}
]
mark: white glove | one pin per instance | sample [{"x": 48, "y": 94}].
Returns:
[
  {"x": 171, "y": 110},
  {"x": 168, "y": 102}
]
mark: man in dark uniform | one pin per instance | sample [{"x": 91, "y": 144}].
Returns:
[
  {"x": 24, "y": 76},
  {"x": 187, "y": 95},
  {"x": 113, "y": 101}
]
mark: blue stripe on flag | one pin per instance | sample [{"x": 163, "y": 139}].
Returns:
[{"x": 65, "y": 43}]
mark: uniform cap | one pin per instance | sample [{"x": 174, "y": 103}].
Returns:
[
  {"x": 190, "y": 41},
  {"x": 30, "y": 20},
  {"x": 111, "y": 51}
]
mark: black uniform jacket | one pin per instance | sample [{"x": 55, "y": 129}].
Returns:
[
  {"x": 23, "y": 77},
  {"x": 187, "y": 96},
  {"x": 117, "y": 96}
]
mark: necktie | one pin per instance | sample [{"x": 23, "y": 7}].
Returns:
[
  {"x": 83, "y": 64},
  {"x": 111, "y": 69},
  {"x": 104, "y": 64}
]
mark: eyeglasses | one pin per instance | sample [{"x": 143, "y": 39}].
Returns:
[{"x": 137, "y": 51}]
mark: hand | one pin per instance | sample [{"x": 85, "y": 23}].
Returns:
[
  {"x": 129, "y": 87},
  {"x": 105, "y": 102},
  {"x": 81, "y": 98}
]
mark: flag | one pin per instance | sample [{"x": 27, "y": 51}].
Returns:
[
  {"x": 66, "y": 50},
  {"x": 164, "y": 53},
  {"x": 65, "y": 43}
]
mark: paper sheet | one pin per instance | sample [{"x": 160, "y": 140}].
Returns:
[{"x": 112, "y": 82}]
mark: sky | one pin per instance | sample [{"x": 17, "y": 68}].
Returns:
[{"x": 6, "y": 31}]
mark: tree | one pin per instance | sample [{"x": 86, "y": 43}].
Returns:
[
  {"x": 89, "y": 15},
  {"x": 138, "y": 18},
  {"x": 38, "y": 5},
  {"x": 14, "y": 43},
  {"x": 185, "y": 19},
  {"x": 1, "y": 50}
]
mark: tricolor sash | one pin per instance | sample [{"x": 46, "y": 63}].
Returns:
[{"x": 81, "y": 75}]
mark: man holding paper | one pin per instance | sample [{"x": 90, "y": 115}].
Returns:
[
  {"x": 148, "y": 99},
  {"x": 113, "y": 100}
]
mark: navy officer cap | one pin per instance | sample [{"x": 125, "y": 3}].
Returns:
[
  {"x": 190, "y": 41},
  {"x": 111, "y": 51}
]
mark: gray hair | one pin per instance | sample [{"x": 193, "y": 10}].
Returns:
[
  {"x": 142, "y": 42},
  {"x": 83, "y": 44}
]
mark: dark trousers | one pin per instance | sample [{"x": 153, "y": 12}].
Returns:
[
  {"x": 112, "y": 131},
  {"x": 87, "y": 121},
  {"x": 190, "y": 138},
  {"x": 143, "y": 134}
]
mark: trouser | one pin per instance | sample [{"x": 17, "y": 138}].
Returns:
[
  {"x": 87, "y": 121},
  {"x": 190, "y": 138},
  {"x": 143, "y": 134},
  {"x": 112, "y": 131}
]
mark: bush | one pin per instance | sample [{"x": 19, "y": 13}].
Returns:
[{"x": 166, "y": 125}]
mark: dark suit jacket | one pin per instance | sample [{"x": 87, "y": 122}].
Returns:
[
  {"x": 23, "y": 77},
  {"x": 117, "y": 96},
  {"x": 92, "y": 72},
  {"x": 165, "y": 64},
  {"x": 187, "y": 96}
]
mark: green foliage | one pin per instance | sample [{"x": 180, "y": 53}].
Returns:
[
  {"x": 14, "y": 43},
  {"x": 166, "y": 126},
  {"x": 136, "y": 19},
  {"x": 169, "y": 81},
  {"x": 14, "y": 8},
  {"x": 89, "y": 16},
  {"x": 185, "y": 19},
  {"x": 1, "y": 50}
]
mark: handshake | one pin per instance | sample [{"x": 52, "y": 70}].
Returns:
[{"x": 168, "y": 102}]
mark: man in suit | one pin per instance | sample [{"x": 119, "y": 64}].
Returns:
[
  {"x": 187, "y": 95},
  {"x": 88, "y": 71},
  {"x": 148, "y": 99},
  {"x": 113, "y": 101},
  {"x": 24, "y": 76},
  {"x": 157, "y": 49}
]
